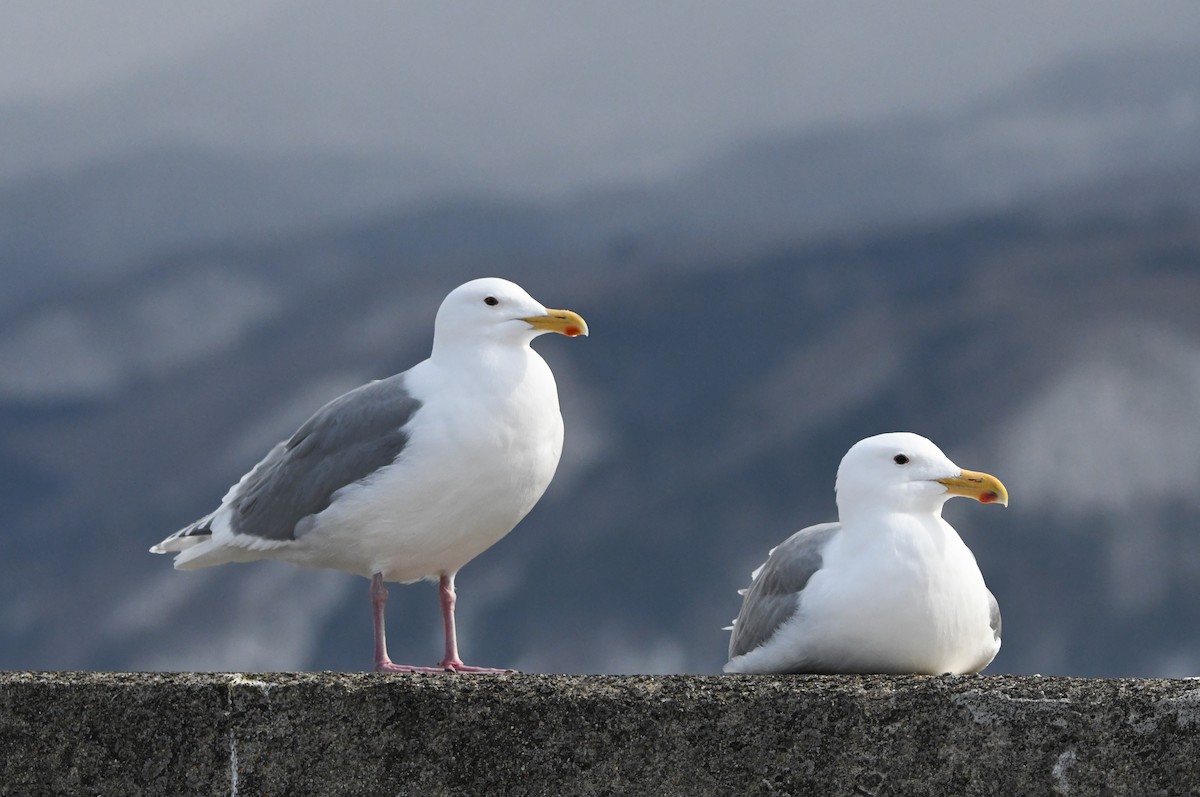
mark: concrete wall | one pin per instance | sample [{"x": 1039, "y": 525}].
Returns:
[{"x": 284, "y": 734}]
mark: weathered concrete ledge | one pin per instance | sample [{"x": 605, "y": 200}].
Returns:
[{"x": 332, "y": 733}]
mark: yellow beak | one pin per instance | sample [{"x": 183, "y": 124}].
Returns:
[
  {"x": 983, "y": 487},
  {"x": 564, "y": 322}
]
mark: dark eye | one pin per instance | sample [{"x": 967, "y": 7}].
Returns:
[
  {"x": 491, "y": 301},
  {"x": 900, "y": 459}
]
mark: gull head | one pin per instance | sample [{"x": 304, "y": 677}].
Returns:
[
  {"x": 904, "y": 472},
  {"x": 494, "y": 309}
]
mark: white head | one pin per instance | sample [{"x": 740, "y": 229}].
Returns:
[
  {"x": 494, "y": 309},
  {"x": 904, "y": 472}
]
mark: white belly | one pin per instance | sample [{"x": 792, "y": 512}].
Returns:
[
  {"x": 472, "y": 469},
  {"x": 918, "y": 606}
]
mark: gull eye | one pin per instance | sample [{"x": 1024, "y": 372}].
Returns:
[
  {"x": 900, "y": 459},
  {"x": 491, "y": 301}
]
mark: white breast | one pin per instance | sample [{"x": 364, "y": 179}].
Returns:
[
  {"x": 482, "y": 450},
  {"x": 907, "y": 598}
]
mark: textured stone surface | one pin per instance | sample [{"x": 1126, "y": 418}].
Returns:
[{"x": 332, "y": 733}]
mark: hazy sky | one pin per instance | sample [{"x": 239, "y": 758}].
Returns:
[
  {"x": 53, "y": 47},
  {"x": 533, "y": 91},
  {"x": 49, "y": 48}
]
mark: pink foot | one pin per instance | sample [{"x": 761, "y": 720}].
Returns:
[
  {"x": 389, "y": 667},
  {"x": 458, "y": 666},
  {"x": 441, "y": 669}
]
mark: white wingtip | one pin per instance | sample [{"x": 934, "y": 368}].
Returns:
[
  {"x": 741, "y": 591},
  {"x": 176, "y": 543}
]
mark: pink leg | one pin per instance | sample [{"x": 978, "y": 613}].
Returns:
[
  {"x": 379, "y": 596},
  {"x": 452, "y": 661}
]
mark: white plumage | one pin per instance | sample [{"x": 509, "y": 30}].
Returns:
[
  {"x": 410, "y": 477},
  {"x": 890, "y": 588}
]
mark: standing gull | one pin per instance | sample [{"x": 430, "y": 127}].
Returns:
[
  {"x": 413, "y": 476},
  {"x": 889, "y": 588}
]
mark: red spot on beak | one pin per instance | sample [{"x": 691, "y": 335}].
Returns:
[
  {"x": 572, "y": 332},
  {"x": 987, "y": 497}
]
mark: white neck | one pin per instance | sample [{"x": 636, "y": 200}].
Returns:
[{"x": 910, "y": 499}]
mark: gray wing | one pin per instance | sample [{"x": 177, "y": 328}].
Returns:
[
  {"x": 771, "y": 599},
  {"x": 348, "y": 439},
  {"x": 995, "y": 615}
]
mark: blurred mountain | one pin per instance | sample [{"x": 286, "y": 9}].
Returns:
[
  {"x": 170, "y": 176},
  {"x": 1033, "y": 314},
  {"x": 514, "y": 94},
  {"x": 84, "y": 224},
  {"x": 1064, "y": 357},
  {"x": 1079, "y": 122}
]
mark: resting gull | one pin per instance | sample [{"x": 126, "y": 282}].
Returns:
[
  {"x": 409, "y": 477},
  {"x": 889, "y": 588}
]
